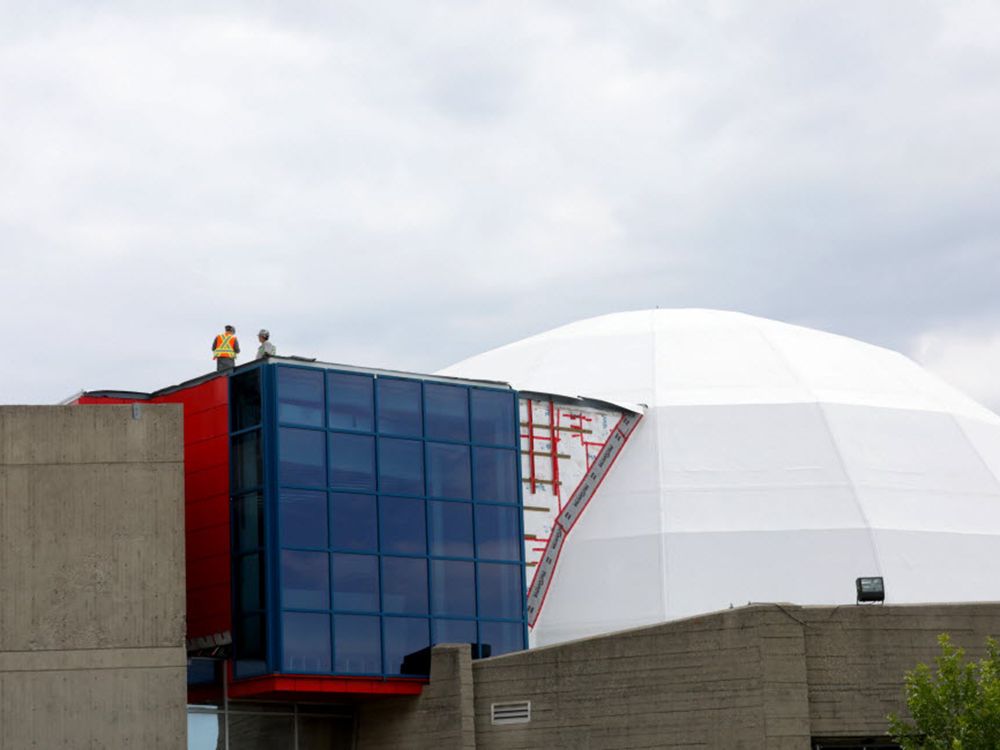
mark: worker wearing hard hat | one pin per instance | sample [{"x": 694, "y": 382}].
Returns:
[
  {"x": 266, "y": 348},
  {"x": 225, "y": 347}
]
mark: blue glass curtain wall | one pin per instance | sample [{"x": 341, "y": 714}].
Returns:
[{"x": 393, "y": 507}]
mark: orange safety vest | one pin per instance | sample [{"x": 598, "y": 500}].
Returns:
[{"x": 224, "y": 346}]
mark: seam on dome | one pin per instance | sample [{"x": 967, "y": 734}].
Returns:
[
  {"x": 975, "y": 449},
  {"x": 655, "y": 437},
  {"x": 852, "y": 486}
]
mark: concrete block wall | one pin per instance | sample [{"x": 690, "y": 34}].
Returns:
[
  {"x": 441, "y": 718},
  {"x": 709, "y": 681},
  {"x": 91, "y": 577},
  {"x": 856, "y": 657},
  {"x": 765, "y": 676}
]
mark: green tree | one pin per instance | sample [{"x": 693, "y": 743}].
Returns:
[{"x": 956, "y": 708}]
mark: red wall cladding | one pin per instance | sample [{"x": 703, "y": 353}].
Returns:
[{"x": 206, "y": 500}]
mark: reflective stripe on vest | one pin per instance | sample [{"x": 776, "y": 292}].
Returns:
[{"x": 224, "y": 346}]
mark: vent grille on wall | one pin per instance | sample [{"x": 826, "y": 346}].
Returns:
[{"x": 511, "y": 713}]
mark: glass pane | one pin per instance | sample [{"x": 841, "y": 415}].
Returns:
[
  {"x": 300, "y": 396},
  {"x": 450, "y": 529},
  {"x": 493, "y": 420},
  {"x": 302, "y": 516},
  {"x": 399, "y": 407},
  {"x": 447, "y": 409},
  {"x": 305, "y": 579},
  {"x": 498, "y": 532},
  {"x": 250, "y": 586},
  {"x": 302, "y": 455},
  {"x": 358, "y": 645},
  {"x": 502, "y": 637},
  {"x": 350, "y": 400},
  {"x": 495, "y": 475},
  {"x": 306, "y": 639},
  {"x": 455, "y": 631},
  {"x": 250, "y": 642},
  {"x": 500, "y": 590},
  {"x": 355, "y": 583},
  {"x": 448, "y": 473},
  {"x": 244, "y": 395},
  {"x": 261, "y": 732},
  {"x": 353, "y": 522},
  {"x": 404, "y": 636},
  {"x": 403, "y": 525},
  {"x": 204, "y": 731},
  {"x": 453, "y": 587},
  {"x": 352, "y": 461},
  {"x": 404, "y": 585},
  {"x": 401, "y": 466},
  {"x": 249, "y": 521},
  {"x": 248, "y": 469}
]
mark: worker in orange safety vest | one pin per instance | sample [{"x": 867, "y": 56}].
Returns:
[{"x": 225, "y": 347}]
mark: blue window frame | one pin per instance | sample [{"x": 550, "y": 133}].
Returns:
[
  {"x": 394, "y": 505},
  {"x": 352, "y": 461},
  {"x": 302, "y": 457},
  {"x": 497, "y": 532},
  {"x": 300, "y": 396},
  {"x": 307, "y": 642},
  {"x": 455, "y": 631},
  {"x": 250, "y": 592},
  {"x": 248, "y": 462},
  {"x": 249, "y": 521},
  {"x": 449, "y": 471},
  {"x": 399, "y": 407},
  {"x": 355, "y": 583},
  {"x": 351, "y": 403},
  {"x": 400, "y": 466},
  {"x": 302, "y": 518},
  {"x": 404, "y": 585},
  {"x": 495, "y": 472},
  {"x": 353, "y": 522},
  {"x": 357, "y": 644},
  {"x": 447, "y": 411},
  {"x": 403, "y": 636},
  {"x": 493, "y": 417},
  {"x": 403, "y": 525},
  {"x": 502, "y": 637},
  {"x": 453, "y": 583},
  {"x": 450, "y": 529},
  {"x": 305, "y": 579},
  {"x": 501, "y": 589}
]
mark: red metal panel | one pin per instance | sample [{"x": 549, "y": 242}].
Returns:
[
  {"x": 320, "y": 688},
  {"x": 206, "y": 484},
  {"x": 211, "y": 453},
  {"x": 204, "y": 512},
  {"x": 104, "y": 400},
  {"x": 206, "y": 499}
]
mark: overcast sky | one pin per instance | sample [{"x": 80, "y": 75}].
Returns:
[{"x": 407, "y": 184}]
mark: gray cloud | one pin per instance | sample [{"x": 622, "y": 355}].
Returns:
[{"x": 405, "y": 185}]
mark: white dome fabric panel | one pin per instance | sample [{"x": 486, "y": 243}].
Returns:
[{"x": 774, "y": 463}]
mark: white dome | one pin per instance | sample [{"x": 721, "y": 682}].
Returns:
[{"x": 774, "y": 463}]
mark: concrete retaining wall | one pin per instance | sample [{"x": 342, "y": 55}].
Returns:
[
  {"x": 91, "y": 577},
  {"x": 764, "y": 676}
]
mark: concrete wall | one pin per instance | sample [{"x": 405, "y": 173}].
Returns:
[
  {"x": 765, "y": 676},
  {"x": 855, "y": 657},
  {"x": 91, "y": 578},
  {"x": 439, "y": 719},
  {"x": 732, "y": 680}
]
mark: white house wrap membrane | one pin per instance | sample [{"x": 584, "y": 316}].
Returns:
[{"x": 773, "y": 463}]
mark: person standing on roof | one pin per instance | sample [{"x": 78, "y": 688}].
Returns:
[
  {"x": 225, "y": 347},
  {"x": 266, "y": 348}
]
